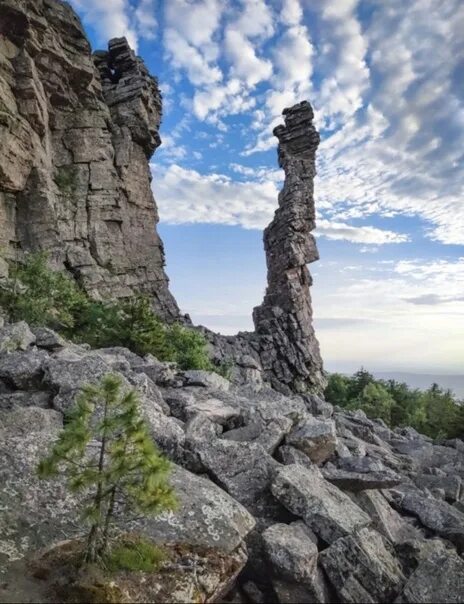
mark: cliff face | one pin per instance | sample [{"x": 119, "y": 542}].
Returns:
[
  {"x": 76, "y": 134},
  {"x": 288, "y": 347}
]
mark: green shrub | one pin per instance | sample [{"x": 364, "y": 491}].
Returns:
[
  {"x": 36, "y": 294},
  {"x": 134, "y": 554},
  {"x": 40, "y": 296}
]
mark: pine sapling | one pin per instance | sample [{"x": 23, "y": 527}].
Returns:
[{"x": 106, "y": 453}]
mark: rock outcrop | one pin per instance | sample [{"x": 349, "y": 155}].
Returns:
[
  {"x": 76, "y": 134},
  {"x": 284, "y": 502},
  {"x": 289, "y": 350}
]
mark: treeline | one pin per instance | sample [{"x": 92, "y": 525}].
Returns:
[{"x": 434, "y": 412}]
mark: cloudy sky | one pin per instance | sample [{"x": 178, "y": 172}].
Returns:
[{"x": 386, "y": 81}]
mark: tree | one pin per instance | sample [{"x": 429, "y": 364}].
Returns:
[
  {"x": 375, "y": 401},
  {"x": 125, "y": 468},
  {"x": 337, "y": 389}
]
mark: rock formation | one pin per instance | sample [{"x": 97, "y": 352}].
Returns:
[
  {"x": 278, "y": 500},
  {"x": 76, "y": 133},
  {"x": 289, "y": 350}
]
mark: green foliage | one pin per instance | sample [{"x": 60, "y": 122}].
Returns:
[
  {"x": 125, "y": 469},
  {"x": 433, "y": 412},
  {"x": 40, "y": 296},
  {"x": 134, "y": 554}
]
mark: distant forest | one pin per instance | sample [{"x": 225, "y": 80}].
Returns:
[{"x": 434, "y": 412}]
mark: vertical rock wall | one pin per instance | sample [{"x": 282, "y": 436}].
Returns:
[
  {"x": 289, "y": 350},
  {"x": 76, "y": 134}
]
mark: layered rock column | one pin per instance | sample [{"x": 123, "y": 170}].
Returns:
[
  {"x": 76, "y": 134},
  {"x": 288, "y": 348}
]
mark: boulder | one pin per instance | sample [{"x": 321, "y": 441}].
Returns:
[
  {"x": 289, "y": 455},
  {"x": 362, "y": 568},
  {"x": 206, "y": 379},
  {"x": 451, "y": 485},
  {"x": 318, "y": 406},
  {"x": 438, "y": 578},
  {"x": 27, "y": 420},
  {"x": 315, "y": 592},
  {"x": 385, "y": 519},
  {"x": 438, "y": 516},
  {"x": 33, "y": 398},
  {"x": 291, "y": 550},
  {"x": 23, "y": 369},
  {"x": 329, "y": 512},
  {"x": 358, "y": 474},
  {"x": 206, "y": 516},
  {"x": 48, "y": 339},
  {"x": 16, "y": 336},
  {"x": 244, "y": 470},
  {"x": 315, "y": 437}
]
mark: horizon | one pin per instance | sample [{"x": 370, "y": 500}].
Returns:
[{"x": 388, "y": 292}]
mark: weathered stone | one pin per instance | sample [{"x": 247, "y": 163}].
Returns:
[
  {"x": 207, "y": 516},
  {"x": 244, "y": 470},
  {"x": 451, "y": 485},
  {"x": 288, "y": 348},
  {"x": 318, "y": 406},
  {"x": 438, "y": 578},
  {"x": 291, "y": 551},
  {"x": 16, "y": 336},
  {"x": 315, "y": 592},
  {"x": 48, "y": 339},
  {"x": 384, "y": 518},
  {"x": 329, "y": 512},
  {"x": 25, "y": 420},
  {"x": 438, "y": 516},
  {"x": 23, "y": 369},
  {"x": 362, "y": 568},
  {"x": 25, "y": 399},
  {"x": 357, "y": 474},
  {"x": 315, "y": 437},
  {"x": 289, "y": 455},
  {"x": 206, "y": 379}
]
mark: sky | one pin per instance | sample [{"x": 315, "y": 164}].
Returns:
[{"x": 385, "y": 79}]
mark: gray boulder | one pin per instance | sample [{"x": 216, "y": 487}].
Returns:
[
  {"x": 329, "y": 512},
  {"x": 48, "y": 339},
  {"x": 362, "y": 568},
  {"x": 33, "y": 398},
  {"x": 291, "y": 551},
  {"x": 16, "y": 336},
  {"x": 317, "y": 591},
  {"x": 23, "y": 369},
  {"x": 206, "y": 379},
  {"x": 358, "y": 474},
  {"x": 315, "y": 437},
  {"x": 438, "y": 516},
  {"x": 438, "y": 578},
  {"x": 206, "y": 516}
]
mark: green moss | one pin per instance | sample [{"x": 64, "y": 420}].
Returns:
[{"x": 135, "y": 554}]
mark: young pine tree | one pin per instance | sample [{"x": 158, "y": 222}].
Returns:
[{"x": 125, "y": 468}]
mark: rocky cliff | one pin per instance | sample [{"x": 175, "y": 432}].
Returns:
[{"x": 76, "y": 133}]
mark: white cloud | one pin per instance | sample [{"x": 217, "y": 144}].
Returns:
[
  {"x": 109, "y": 18},
  {"x": 363, "y": 234},
  {"x": 256, "y": 19},
  {"x": 185, "y": 56},
  {"x": 246, "y": 65},
  {"x": 145, "y": 18},
  {"x": 291, "y": 12}
]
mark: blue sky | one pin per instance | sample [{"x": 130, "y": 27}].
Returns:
[{"x": 386, "y": 82}]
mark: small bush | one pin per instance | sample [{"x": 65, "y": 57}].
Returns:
[
  {"x": 134, "y": 554},
  {"x": 43, "y": 297},
  {"x": 40, "y": 296}
]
